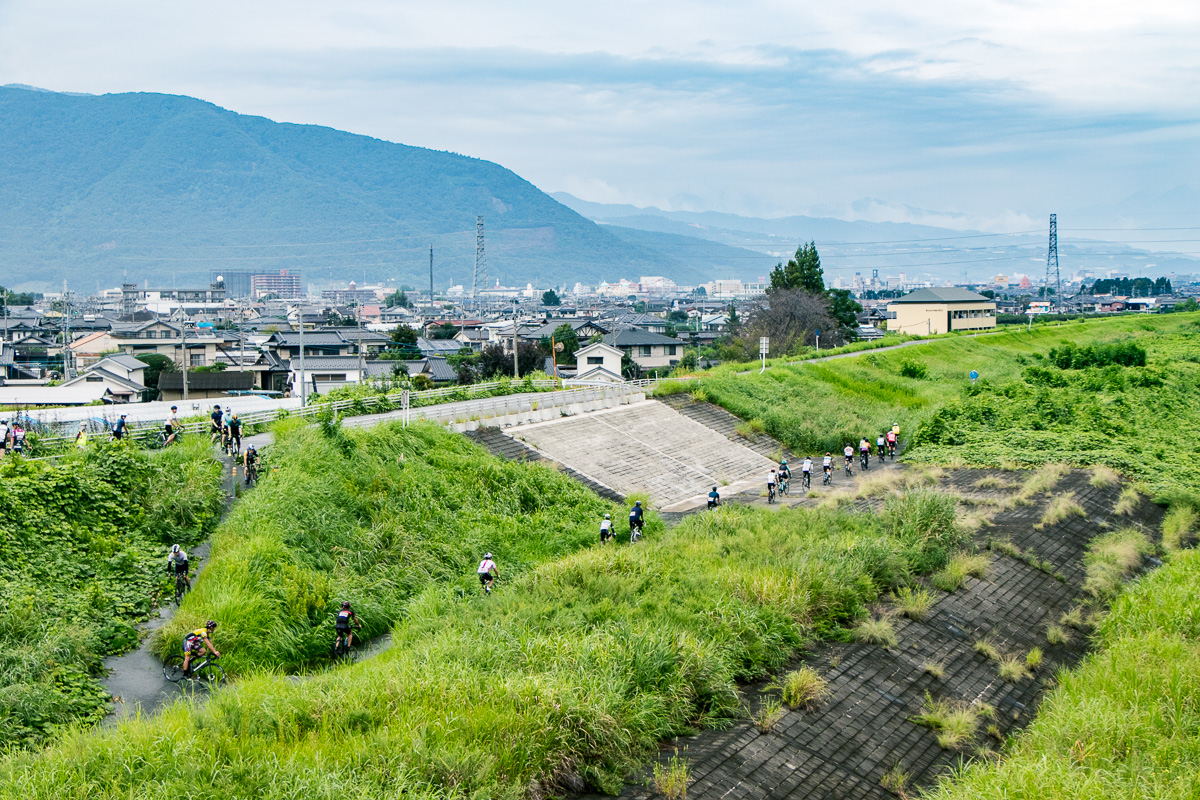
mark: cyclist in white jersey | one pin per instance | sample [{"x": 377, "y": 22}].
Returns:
[
  {"x": 606, "y": 528},
  {"x": 488, "y": 573}
]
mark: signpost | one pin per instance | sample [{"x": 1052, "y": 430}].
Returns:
[
  {"x": 764, "y": 346},
  {"x": 974, "y": 376},
  {"x": 818, "y": 335}
]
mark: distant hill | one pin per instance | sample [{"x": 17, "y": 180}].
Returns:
[
  {"x": 919, "y": 252},
  {"x": 166, "y": 189}
]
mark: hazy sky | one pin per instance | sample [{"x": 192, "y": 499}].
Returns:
[{"x": 963, "y": 112}]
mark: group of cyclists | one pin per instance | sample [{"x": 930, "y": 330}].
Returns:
[
  {"x": 779, "y": 478},
  {"x": 12, "y": 437}
]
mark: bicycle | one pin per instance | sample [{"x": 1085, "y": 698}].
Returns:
[
  {"x": 342, "y": 649},
  {"x": 182, "y": 585},
  {"x": 865, "y": 457},
  {"x": 892, "y": 450},
  {"x": 849, "y": 461},
  {"x": 828, "y": 475},
  {"x": 806, "y": 480},
  {"x": 635, "y": 531},
  {"x": 207, "y": 674},
  {"x": 770, "y": 493},
  {"x": 251, "y": 474},
  {"x": 784, "y": 485}
]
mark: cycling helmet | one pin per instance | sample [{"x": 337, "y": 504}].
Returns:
[
  {"x": 487, "y": 555},
  {"x": 174, "y": 548},
  {"x": 714, "y": 488},
  {"x": 252, "y": 447},
  {"x": 608, "y": 516},
  {"x": 211, "y": 624},
  {"x": 345, "y": 604},
  {"x": 784, "y": 461},
  {"x": 637, "y": 502}
]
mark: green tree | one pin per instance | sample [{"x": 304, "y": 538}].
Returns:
[
  {"x": 398, "y": 298},
  {"x": 156, "y": 364},
  {"x": 446, "y": 330},
  {"x": 17, "y": 298},
  {"x": 734, "y": 321},
  {"x": 565, "y": 335},
  {"x": 550, "y": 298},
  {"x": 842, "y": 307},
  {"x": 678, "y": 315},
  {"x": 1188, "y": 305},
  {"x": 639, "y": 307},
  {"x": 403, "y": 334},
  {"x": 803, "y": 271}
]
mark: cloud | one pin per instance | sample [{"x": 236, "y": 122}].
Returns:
[{"x": 992, "y": 110}]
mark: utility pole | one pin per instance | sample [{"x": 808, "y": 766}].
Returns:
[
  {"x": 303, "y": 381},
  {"x": 361, "y": 367},
  {"x": 66, "y": 305},
  {"x": 183, "y": 336},
  {"x": 241, "y": 342},
  {"x": 516, "y": 308},
  {"x": 431, "y": 281}
]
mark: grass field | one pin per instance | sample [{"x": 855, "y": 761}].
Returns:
[
  {"x": 83, "y": 544},
  {"x": 371, "y": 516},
  {"x": 569, "y": 674}
]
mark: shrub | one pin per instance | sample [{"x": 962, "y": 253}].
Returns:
[
  {"x": 913, "y": 603},
  {"x": 671, "y": 779},
  {"x": 958, "y": 569},
  {"x": 1056, "y": 634},
  {"x": 955, "y": 723},
  {"x": 876, "y": 630},
  {"x": 913, "y": 369},
  {"x": 804, "y": 688}
]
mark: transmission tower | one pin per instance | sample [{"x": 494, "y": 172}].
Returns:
[
  {"x": 1052, "y": 274},
  {"x": 480, "y": 279}
]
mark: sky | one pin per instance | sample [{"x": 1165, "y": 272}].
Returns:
[{"x": 980, "y": 114}]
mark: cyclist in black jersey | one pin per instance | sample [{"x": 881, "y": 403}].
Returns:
[
  {"x": 341, "y": 625},
  {"x": 217, "y": 427}
]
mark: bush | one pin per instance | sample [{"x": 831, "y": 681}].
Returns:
[
  {"x": 804, "y": 688},
  {"x": 913, "y": 369}
]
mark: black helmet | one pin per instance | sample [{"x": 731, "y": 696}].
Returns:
[
  {"x": 212, "y": 623},
  {"x": 345, "y": 604}
]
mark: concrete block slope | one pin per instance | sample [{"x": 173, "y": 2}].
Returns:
[{"x": 647, "y": 447}]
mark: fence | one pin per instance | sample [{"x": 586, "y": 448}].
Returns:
[{"x": 421, "y": 398}]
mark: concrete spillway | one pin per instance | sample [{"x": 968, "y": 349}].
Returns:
[{"x": 649, "y": 447}]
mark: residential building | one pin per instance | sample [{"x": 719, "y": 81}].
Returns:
[
  {"x": 204, "y": 385},
  {"x": 598, "y": 362},
  {"x": 940, "y": 310},
  {"x": 121, "y": 377},
  {"x": 285, "y": 284},
  {"x": 650, "y": 351}
]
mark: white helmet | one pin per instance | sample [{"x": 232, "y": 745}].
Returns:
[
  {"x": 487, "y": 555},
  {"x": 608, "y": 516}
]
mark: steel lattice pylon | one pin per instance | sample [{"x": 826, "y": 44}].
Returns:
[
  {"x": 480, "y": 278},
  {"x": 1052, "y": 275}
]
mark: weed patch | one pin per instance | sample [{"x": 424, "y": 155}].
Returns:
[
  {"x": 875, "y": 630},
  {"x": 804, "y": 688}
]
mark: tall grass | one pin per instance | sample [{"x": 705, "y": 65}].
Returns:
[
  {"x": 1122, "y": 724},
  {"x": 371, "y": 516},
  {"x": 570, "y": 673},
  {"x": 82, "y": 543}
]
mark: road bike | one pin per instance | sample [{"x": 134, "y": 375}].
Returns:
[
  {"x": 251, "y": 474},
  {"x": 865, "y": 457},
  {"x": 343, "y": 651},
  {"x": 206, "y": 673},
  {"x": 182, "y": 585},
  {"x": 784, "y": 486},
  {"x": 892, "y": 450},
  {"x": 828, "y": 475},
  {"x": 849, "y": 461},
  {"x": 635, "y": 531},
  {"x": 806, "y": 480},
  {"x": 770, "y": 493}
]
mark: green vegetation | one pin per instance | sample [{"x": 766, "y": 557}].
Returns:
[
  {"x": 371, "y": 516},
  {"x": 82, "y": 549},
  {"x": 875, "y": 630},
  {"x": 804, "y": 688},
  {"x": 914, "y": 603},
  {"x": 955, "y": 723},
  {"x": 960, "y": 567},
  {"x": 575, "y": 667},
  {"x": 1123, "y": 724},
  {"x": 1111, "y": 558},
  {"x": 768, "y": 716},
  {"x": 671, "y": 779}
]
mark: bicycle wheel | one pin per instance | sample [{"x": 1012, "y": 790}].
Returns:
[
  {"x": 173, "y": 668},
  {"x": 210, "y": 675}
]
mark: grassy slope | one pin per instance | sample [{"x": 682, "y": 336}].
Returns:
[
  {"x": 1123, "y": 724},
  {"x": 574, "y": 670},
  {"x": 371, "y": 516},
  {"x": 82, "y": 544}
]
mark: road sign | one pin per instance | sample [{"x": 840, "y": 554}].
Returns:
[
  {"x": 764, "y": 345},
  {"x": 974, "y": 375}
]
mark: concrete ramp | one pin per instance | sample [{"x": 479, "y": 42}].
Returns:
[{"x": 649, "y": 447}]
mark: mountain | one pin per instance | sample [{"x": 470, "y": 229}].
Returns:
[
  {"x": 916, "y": 252},
  {"x": 167, "y": 190}
]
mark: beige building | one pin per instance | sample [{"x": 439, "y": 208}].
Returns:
[{"x": 929, "y": 311}]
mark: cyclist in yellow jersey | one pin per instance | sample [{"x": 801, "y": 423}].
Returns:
[{"x": 196, "y": 642}]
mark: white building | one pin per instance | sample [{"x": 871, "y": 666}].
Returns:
[{"x": 598, "y": 362}]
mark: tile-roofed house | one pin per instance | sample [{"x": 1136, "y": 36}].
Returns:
[
  {"x": 204, "y": 384},
  {"x": 650, "y": 351}
]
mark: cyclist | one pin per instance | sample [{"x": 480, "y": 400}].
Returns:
[
  {"x": 341, "y": 626},
  {"x": 216, "y": 418},
  {"x": 771, "y": 479},
  {"x": 171, "y": 427},
  {"x": 785, "y": 473},
  {"x": 606, "y": 533},
  {"x": 806, "y": 471},
  {"x": 864, "y": 451},
  {"x": 881, "y": 447},
  {"x": 488, "y": 572},
  {"x": 18, "y": 437},
  {"x": 118, "y": 431},
  {"x": 177, "y": 564},
  {"x": 250, "y": 459},
  {"x": 714, "y": 498},
  {"x": 848, "y": 452},
  {"x": 637, "y": 519},
  {"x": 81, "y": 437},
  {"x": 827, "y": 466},
  {"x": 891, "y": 441},
  {"x": 196, "y": 642},
  {"x": 3, "y": 436},
  {"x": 235, "y": 433}
]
